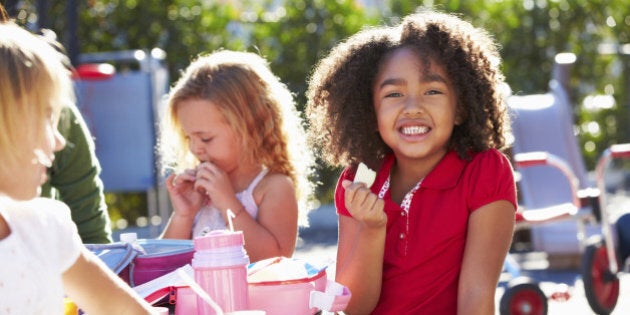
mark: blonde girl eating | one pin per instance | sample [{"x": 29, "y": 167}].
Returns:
[{"x": 234, "y": 140}]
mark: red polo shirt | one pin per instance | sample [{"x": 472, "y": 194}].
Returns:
[{"x": 424, "y": 248}]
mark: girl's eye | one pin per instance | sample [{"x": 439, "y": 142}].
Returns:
[
  {"x": 205, "y": 140},
  {"x": 393, "y": 94},
  {"x": 433, "y": 92}
]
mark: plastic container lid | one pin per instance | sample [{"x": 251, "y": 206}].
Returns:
[
  {"x": 219, "y": 238},
  {"x": 283, "y": 270}
]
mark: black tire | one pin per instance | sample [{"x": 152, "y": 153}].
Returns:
[
  {"x": 601, "y": 286},
  {"x": 523, "y": 297}
]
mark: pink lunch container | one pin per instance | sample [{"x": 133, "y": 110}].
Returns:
[{"x": 286, "y": 295}]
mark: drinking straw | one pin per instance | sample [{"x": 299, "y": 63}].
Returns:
[
  {"x": 201, "y": 292},
  {"x": 230, "y": 216}
]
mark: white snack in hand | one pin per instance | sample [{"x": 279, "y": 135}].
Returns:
[{"x": 364, "y": 175}]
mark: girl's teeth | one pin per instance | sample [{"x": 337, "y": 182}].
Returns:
[{"x": 414, "y": 130}]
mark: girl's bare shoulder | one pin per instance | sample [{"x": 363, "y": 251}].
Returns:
[{"x": 274, "y": 184}]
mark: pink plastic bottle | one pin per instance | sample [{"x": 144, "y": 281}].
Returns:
[{"x": 220, "y": 263}]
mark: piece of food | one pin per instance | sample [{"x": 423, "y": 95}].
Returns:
[{"x": 364, "y": 175}]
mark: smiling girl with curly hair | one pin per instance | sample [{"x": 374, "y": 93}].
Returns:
[{"x": 421, "y": 104}]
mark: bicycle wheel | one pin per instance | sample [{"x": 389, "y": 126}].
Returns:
[
  {"x": 601, "y": 286},
  {"x": 523, "y": 297}
]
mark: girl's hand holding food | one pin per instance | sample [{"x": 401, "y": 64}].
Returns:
[
  {"x": 216, "y": 184},
  {"x": 186, "y": 199},
  {"x": 364, "y": 205}
]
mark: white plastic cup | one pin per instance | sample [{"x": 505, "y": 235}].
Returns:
[{"x": 220, "y": 263}]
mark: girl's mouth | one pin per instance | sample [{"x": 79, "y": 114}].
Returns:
[{"x": 414, "y": 130}]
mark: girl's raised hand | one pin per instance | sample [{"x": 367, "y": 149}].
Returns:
[
  {"x": 364, "y": 205},
  {"x": 185, "y": 198},
  {"x": 216, "y": 184}
]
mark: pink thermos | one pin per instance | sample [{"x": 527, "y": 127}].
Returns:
[{"x": 220, "y": 263}]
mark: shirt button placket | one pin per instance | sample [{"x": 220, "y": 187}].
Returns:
[{"x": 402, "y": 236}]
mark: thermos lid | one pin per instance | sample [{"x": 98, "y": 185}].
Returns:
[{"x": 219, "y": 238}]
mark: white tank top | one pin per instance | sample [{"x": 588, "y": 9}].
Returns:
[{"x": 209, "y": 218}]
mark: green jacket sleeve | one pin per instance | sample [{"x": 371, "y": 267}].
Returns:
[{"x": 74, "y": 179}]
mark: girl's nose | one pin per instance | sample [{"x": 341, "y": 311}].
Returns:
[
  {"x": 194, "y": 146},
  {"x": 413, "y": 105}
]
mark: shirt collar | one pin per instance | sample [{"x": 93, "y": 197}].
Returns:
[{"x": 445, "y": 174}]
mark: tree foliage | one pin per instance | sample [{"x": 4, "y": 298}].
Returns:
[
  {"x": 294, "y": 34},
  {"x": 532, "y": 32}
]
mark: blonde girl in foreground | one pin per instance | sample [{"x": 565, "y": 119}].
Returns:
[
  {"x": 235, "y": 141},
  {"x": 42, "y": 255}
]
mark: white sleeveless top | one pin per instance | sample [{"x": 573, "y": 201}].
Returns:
[{"x": 209, "y": 218}]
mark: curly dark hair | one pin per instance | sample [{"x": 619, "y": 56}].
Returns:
[{"x": 340, "y": 105}]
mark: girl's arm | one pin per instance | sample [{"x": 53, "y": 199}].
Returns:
[
  {"x": 178, "y": 227},
  {"x": 97, "y": 290},
  {"x": 274, "y": 232},
  {"x": 360, "y": 248},
  {"x": 490, "y": 230}
]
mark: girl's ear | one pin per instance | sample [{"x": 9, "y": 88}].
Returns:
[
  {"x": 459, "y": 116},
  {"x": 458, "y": 120}
]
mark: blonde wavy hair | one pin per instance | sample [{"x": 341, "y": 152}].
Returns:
[
  {"x": 33, "y": 82},
  {"x": 256, "y": 104}
]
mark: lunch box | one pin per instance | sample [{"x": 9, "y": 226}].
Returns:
[
  {"x": 283, "y": 286},
  {"x": 160, "y": 257}
]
